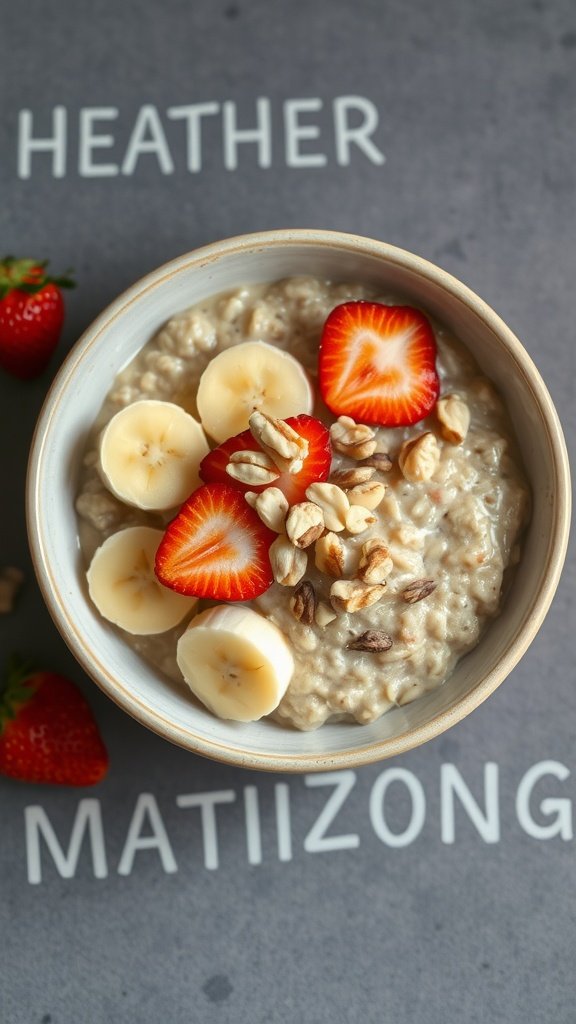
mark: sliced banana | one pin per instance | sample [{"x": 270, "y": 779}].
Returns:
[
  {"x": 124, "y": 587},
  {"x": 149, "y": 454},
  {"x": 249, "y": 377},
  {"x": 236, "y": 662}
]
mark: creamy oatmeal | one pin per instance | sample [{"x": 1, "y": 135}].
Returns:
[{"x": 387, "y": 598}]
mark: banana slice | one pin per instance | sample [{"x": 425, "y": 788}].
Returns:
[
  {"x": 124, "y": 587},
  {"x": 236, "y": 662},
  {"x": 149, "y": 454},
  {"x": 249, "y": 377}
]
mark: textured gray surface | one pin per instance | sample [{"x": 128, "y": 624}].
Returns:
[{"x": 476, "y": 107}]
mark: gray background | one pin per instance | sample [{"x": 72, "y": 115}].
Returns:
[{"x": 476, "y": 105}]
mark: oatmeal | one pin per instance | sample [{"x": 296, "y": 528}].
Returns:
[{"x": 387, "y": 567}]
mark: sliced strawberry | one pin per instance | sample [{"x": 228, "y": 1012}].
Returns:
[
  {"x": 216, "y": 547},
  {"x": 378, "y": 364},
  {"x": 316, "y": 464},
  {"x": 213, "y": 466}
]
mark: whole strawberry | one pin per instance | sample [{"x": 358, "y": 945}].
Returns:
[
  {"x": 31, "y": 315},
  {"x": 47, "y": 731}
]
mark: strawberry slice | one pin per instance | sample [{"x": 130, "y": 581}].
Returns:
[
  {"x": 216, "y": 547},
  {"x": 316, "y": 464},
  {"x": 212, "y": 469},
  {"x": 378, "y": 364}
]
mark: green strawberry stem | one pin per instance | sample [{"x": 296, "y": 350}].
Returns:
[
  {"x": 16, "y": 690},
  {"x": 29, "y": 276}
]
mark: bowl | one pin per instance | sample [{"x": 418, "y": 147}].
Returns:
[{"x": 71, "y": 407}]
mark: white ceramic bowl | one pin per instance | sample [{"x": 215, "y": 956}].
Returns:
[{"x": 79, "y": 390}]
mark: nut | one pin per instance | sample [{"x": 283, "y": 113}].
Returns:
[
  {"x": 351, "y": 477},
  {"x": 303, "y": 603},
  {"x": 255, "y": 468},
  {"x": 379, "y": 461},
  {"x": 369, "y": 495},
  {"x": 417, "y": 590},
  {"x": 288, "y": 563},
  {"x": 454, "y": 418},
  {"x": 419, "y": 458},
  {"x": 373, "y": 640},
  {"x": 11, "y": 579},
  {"x": 352, "y": 595},
  {"x": 359, "y": 518},
  {"x": 304, "y": 523},
  {"x": 333, "y": 502},
  {"x": 271, "y": 505},
  {"x": 375, "y": 561},
  {"x": 329, "y": 555},
  {"x": 324, "y": 614},
  {"x": 355, "y": 440},
  {"x": 284, "y": 445}
]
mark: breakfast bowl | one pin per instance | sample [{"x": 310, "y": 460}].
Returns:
[{"x": 231, "y": 268}]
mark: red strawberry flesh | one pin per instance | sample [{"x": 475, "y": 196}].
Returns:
[
  {"x": 316, "y": 464},
  {"x": 31, "y": 316},
  {"x": 216, "y": 547},
  {"x": 48, "y": 733},
  {"x": 377, "y": 364}
]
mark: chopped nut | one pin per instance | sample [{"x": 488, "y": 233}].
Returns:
[
  {"x": 252, "y": 468},
  {"x": 355, "y": 440},
  {"x": 351, "y": 477},
  {"x": 454, "y": 418},
  {"x": 324, "y": 614},
  {"x": 333, "y": 502},
  {"x": 417, "y": 590},
  {"x": 419, "y": 458},
  {"x": 11, "y": 579},
  {"x": 379, "y": 461},
  {"x": 305, "y": 523},
  {"x": 359, "y": 518},
  {"x": 329, "y": 555},
  {"x": 288, "y": 563},
  {"x": 271, "y": 505},
  {"x": 352, "y": 595},
  {"x": 375, "y": 561},
  {"x": 373, "y": 640},
  {"x": 369, "y": 495},
  {"x": 303, "y": 603},
  {"x": 286, "y": 447}
]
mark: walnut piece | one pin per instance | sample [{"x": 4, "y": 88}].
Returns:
[
  {"x": 419, "y": 458},
  {"x": 369, "y": 495},
  {"x": 271, "y": 505},
  {"x": 329, "y": 555},
  {"x": 454, "y": 418},
  {"x": 333, "y": 502},
  {"x": 288, "y": 562},
  {"x": 254, "y": 468},
  {"x": 283, "y": 444},
  {"x": 356, "y": 440},
  {"x": 417, "y": 590},
  {"x": 347, "y": 478},
  {"x": 375, "y": 561},
  {"x": 353, "y": 595},
  {"x": 373, "y": 640},
  {"x": 359, "y": 519},
  {"x": 303, "y": 603},
  {"x": 304, "y": 523}
]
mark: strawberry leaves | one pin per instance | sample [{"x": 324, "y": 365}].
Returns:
[{"x": 26, "y": 275}]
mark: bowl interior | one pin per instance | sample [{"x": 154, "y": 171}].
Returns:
[{"x": 74, "y": 402}]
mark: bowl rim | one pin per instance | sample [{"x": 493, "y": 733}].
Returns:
[{"x": 383, "y": 748}]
